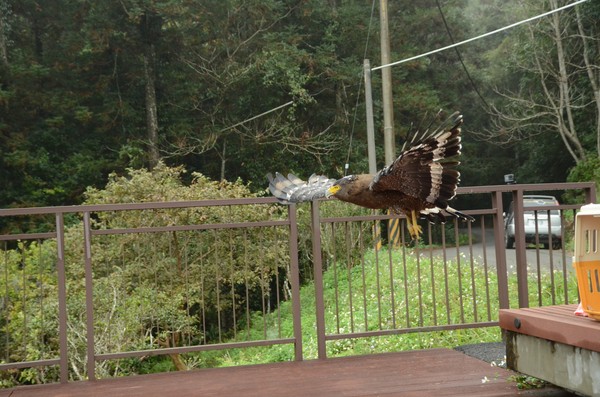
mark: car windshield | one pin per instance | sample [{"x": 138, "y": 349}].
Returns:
[
  {"x": 541, "y": 213},
  {"x": 539, "y": 203}
]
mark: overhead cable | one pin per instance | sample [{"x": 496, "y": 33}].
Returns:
[
  {"x": 460, "y": 58},
  {"x": 481, "y": 36}
]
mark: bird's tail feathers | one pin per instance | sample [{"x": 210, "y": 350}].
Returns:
[{"x": 294, "y": 190}]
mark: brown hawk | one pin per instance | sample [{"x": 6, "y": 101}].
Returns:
[{"x": 420, "y": 182}]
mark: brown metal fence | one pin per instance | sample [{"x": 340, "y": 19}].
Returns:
[
  {"x": 458, "y": 278},
  {"x": 212, "y": 272},
  {"x": 207, "y": 270}
]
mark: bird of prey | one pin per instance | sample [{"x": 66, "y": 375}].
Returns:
[{"x": 420, "y": 182}]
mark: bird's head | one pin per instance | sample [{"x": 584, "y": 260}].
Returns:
[{"x": 339, "y": 185}]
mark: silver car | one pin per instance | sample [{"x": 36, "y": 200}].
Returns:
[{"x": 546, "y": 235}]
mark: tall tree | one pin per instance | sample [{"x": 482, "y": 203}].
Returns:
[
  {"x": 150, "y": 29},
  {"x": 557, "y": 92}
]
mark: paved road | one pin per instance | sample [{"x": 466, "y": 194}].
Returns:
[{"x": 546, "y": 258}]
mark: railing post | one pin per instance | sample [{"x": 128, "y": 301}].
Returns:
[
  {"x": 295, "y": 281},
  {"x": 318, "y": 276},
  {"x": 590, "y": 195},
  {"x": 62, "y": 298},
  {"x": 499, "y": 239},
  {"x": 520, "y": 248},
  {"x": 89, "y": 296}
]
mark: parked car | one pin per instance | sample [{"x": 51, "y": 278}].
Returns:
[{"x": 529, "y": 220}]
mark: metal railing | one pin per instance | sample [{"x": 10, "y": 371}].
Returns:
[
  {"x": 205, "y": 259},
  {"x": 460, "y": 276},
  {"x": 212, "y": 272}
]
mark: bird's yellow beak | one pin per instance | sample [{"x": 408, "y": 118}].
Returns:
[{"x": 332, "y": 190}]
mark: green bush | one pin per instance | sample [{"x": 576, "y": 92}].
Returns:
[{"x": 152, "y": 289}]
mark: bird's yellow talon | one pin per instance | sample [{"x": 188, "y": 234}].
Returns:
[
  {"x": 413, "y": 227},
  {"x": 416, "y": 232}
]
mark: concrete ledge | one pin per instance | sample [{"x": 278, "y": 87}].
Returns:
[
  {"x": 553, "y": 344},
  {"x": 554, "y": 323},
  {"x": 567, "y": 366}
]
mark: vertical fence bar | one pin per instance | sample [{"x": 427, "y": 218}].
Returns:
[
  {"x": 62, "y": 298},
  {"x": 590, "y": 195},
  {"x": 23, "y": 288},
  {"x": 246, "y": 281},
  {"x": 89, "y": 296},
  {"x": 392, "y": 289},
  {"x": 295, "y": 282},
  {"x": 6, "y": 305},
  {"x": 520, "y": 248},
  {"x": 318, "y": 275},
  {"x": 446, "y": 287},
  {"x": 551, "y": 246},
  {"x": 333, "y": 261},
  {"x": 472, "y": 263},
  {"x": 348, "y": 268},
  {"x": 459, "y": 273},
  {"x": 498, "y": 226},
  {"x": 485, "y": 269},
  {"x": 564, "y": 257},
  {"x": 419, "y": 284},
  {"x": 432, "y": 275}
]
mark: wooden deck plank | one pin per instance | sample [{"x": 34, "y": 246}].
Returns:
[
  {"x": 439, "y": 372},
  {"x": 554, "y": 323}
]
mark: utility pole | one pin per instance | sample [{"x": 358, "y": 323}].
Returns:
[
  {"x": 389, "y": 142},
  {"x": 370, "y": 122},
  {"x": 386, "y": 80}
]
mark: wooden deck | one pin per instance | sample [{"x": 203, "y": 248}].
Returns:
[{"x": 436, "y": 372}]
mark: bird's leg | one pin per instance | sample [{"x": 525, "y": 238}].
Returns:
[{"x": 413, "y": 227}]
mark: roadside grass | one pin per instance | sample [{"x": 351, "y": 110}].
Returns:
[{"x": 373, "y": 295}]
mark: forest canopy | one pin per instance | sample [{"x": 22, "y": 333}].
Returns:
[{"x": 93, "y": 88}]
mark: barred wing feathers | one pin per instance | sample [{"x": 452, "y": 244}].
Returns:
[{"x": 425, "y": 170}]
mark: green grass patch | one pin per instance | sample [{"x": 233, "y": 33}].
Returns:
[{"x": 372, "y": 295}]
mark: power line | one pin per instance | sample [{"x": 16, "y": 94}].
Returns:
[
  {"x": 481, "y": 36},
  {"x": 257, "y": 116},
  {"x": 437, "y": 2}
]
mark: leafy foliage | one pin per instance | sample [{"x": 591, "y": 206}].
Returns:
[
  {"x": 150, "y": 289},
  {"x": 74, "y": 92}
]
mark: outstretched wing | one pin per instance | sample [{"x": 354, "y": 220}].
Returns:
[
  {"x": 294, "y": 190},
  {"x": 425, "y": 170}
]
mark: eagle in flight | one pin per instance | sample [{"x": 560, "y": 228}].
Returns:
[{"x": 419, "y": 183}]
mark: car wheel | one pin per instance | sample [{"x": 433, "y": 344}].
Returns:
[
  {"x": 557, "y": 245},
  {"x": 510, "y": 242}
]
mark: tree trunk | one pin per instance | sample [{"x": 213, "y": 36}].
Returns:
[
  {"x": 178, "y": 362},
  {"x": 150, "y": 30},
  {"x": 223, "y": 159},
  {"x": 591, "y": 72},
  {"x": 3, "y": 39},
  {"x": 566, "y": 127},
  {"x": 151, "y": 112},
  {"x": 175, "y": 357}
]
